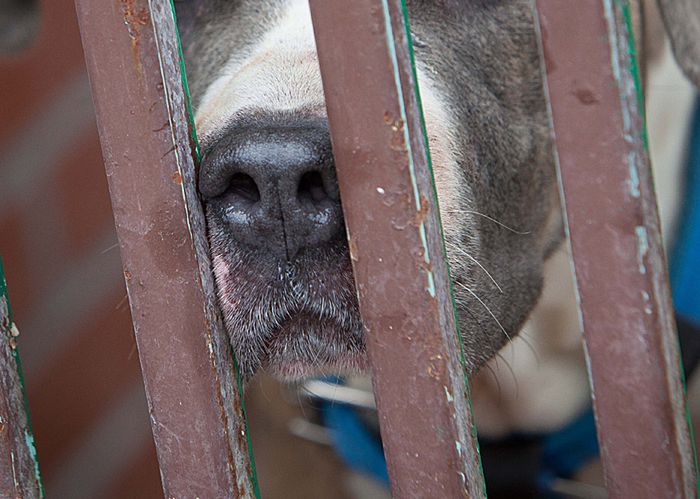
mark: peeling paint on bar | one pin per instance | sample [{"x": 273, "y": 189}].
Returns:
[
  {"x": 403, "y": 126},
  {"x": 643, "y": 247},
  {"x": 19, "y": 468},
  {"x": 634, "y": 174}
]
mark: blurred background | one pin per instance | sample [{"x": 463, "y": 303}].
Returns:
[
  {"x": 62, "y": 266},
  {"x": 63, "y": 269}
]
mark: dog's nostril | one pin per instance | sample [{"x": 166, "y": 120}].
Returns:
[
  {"x": 311, "y": 188},
  {"x": 274, "y": 187},
  {"x": 242, "y": 187}
]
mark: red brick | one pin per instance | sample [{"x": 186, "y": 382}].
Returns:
[
  {"x": 13, "y": 252},
  {"x": 140, "y": 480},
  {"x": 32, "y": 76},
  {"x": 80, "y": 383},
  {"x": 82, "y": 193}
]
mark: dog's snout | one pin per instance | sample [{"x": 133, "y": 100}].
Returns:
[{"x": 275, "y": 187}]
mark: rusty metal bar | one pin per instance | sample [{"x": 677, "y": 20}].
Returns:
[
  {"x": 19, "y": 468},
  {"x": 396, "y": 248},
  {"x": 133, "y": 59},
  {"x": 619, "y": 261}
]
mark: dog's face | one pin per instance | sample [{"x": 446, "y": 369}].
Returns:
[{"x": 274, "y": 218}]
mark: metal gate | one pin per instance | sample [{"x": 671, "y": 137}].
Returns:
[{"x": 193, "y": 390}]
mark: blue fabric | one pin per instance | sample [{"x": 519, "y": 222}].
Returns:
[
  {"x": 353, "y": 441},
  {"x": 685, "y": 257},
  {"x": 357, "y": 447},
  {"x": 566, "y": 451},
  {"x": 563, "y": 452}
]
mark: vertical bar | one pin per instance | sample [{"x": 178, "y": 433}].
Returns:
[
  {"x": 19, "y": 469},
  {"x": 396, "y": 248},
  {"x": 620, "y": 266},
  {"x": 133, "y": 59}
]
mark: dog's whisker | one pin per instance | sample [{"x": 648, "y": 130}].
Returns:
[
  {"x": 107, "y": 250},
  {"x": 486, "y": 307},
  {"x": 302, "y": 389},
  {"x": 473, "y": 212},
  {"x": 523, "y": 335},
  {"x": 121, "y": 302},
  {"x": 495, "y": 378},
  {"x": 465, "y": 253},
  {"x": 512, "y": 373}
]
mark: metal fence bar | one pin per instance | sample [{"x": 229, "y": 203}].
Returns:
[
  {"x": 620, "y": 266},
  {"x": 133, "y": 59},
  {"x": 396, "y": 248},
  {"x": 19, "y": 469}
]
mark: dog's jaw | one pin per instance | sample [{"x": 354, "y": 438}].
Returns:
[{"x": 289, "y": 318}]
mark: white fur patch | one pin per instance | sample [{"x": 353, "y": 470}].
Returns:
[
  {"x": 670, "y": 98},
  {"x": 440, "y": 128},
  {"x": 281, "y": 73}
]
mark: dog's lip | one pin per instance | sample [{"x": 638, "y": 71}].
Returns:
[{"x": 347, "y": 359}]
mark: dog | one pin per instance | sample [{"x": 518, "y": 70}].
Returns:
[
  {"x": 267, "y": 180},
  {"x": 277, "y": 236},
  {"x": 285, "y": 282}
]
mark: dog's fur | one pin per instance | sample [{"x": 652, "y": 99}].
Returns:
[
  {"x": 539, "y": 382},
  {"x": 479, "y": 73},
  {"x": 254, "y": 62}
]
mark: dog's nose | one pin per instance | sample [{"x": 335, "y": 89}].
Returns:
[{"x": 274, "y": 187}]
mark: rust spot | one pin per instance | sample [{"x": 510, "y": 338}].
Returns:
[
  {"x": 165, "y": 125},
  {"x": 428, "y": 267},
  {"x": 422, "y": 214},
  {"x": 586, "y": 96},
  {"x": 177, "y": 178},
  {"x": 436, "y": 367},
  {"x": 398, "y": 140},
  {"x": 135, "y": 19},
  {"x": 242, "y": 441},
  {"x": 13, "y": 343},
  {"x": 127, "y": 275}
]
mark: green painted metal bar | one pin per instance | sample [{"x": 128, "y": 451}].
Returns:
[{"x": 19, "y": 468}]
